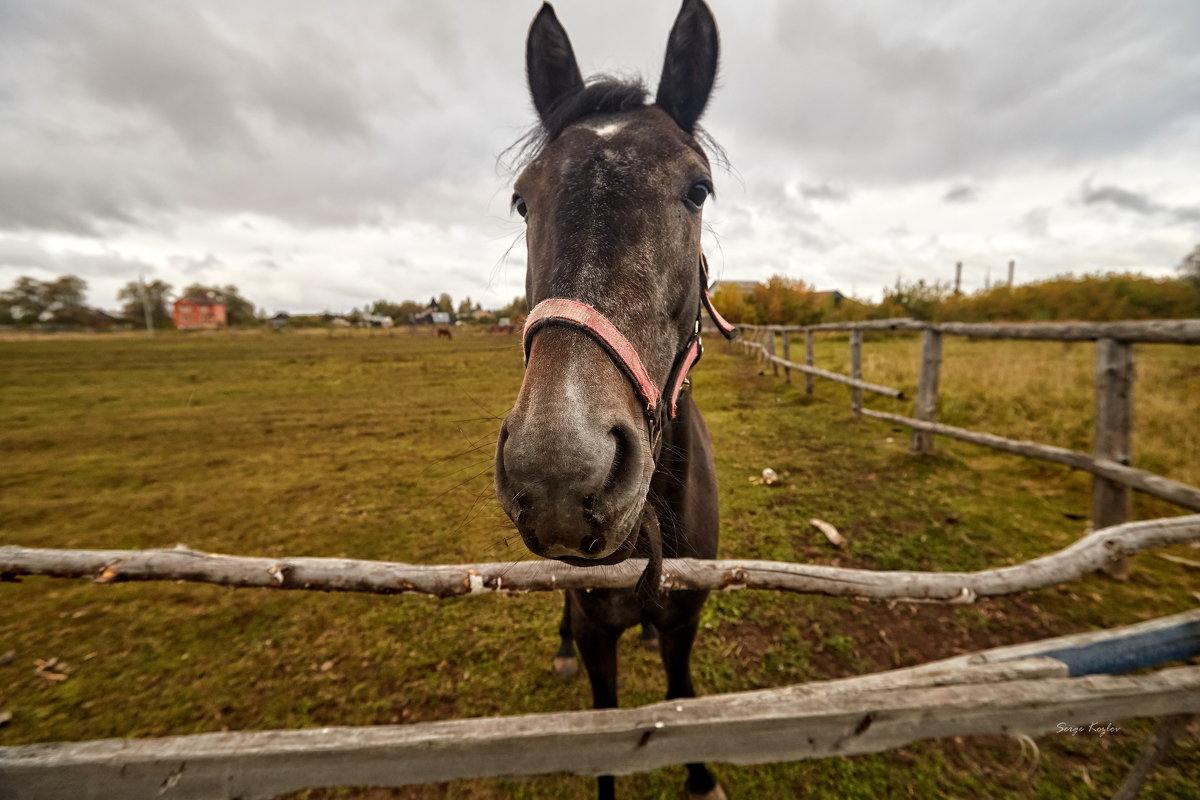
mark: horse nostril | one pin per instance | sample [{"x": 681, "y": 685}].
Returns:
[
  {"x": 592, "y": 544},
  {"x": 589, "y": 512}
]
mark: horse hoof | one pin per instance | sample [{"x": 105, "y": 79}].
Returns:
[
  {"x": 715, "y": 793},
  {"x": 566, "y": 667},
  {"x": 650, "y": 644}
]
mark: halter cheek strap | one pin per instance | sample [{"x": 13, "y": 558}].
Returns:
[{"x": 580, "y": 315}]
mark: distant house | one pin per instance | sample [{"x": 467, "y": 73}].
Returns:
[
  {"x": 743, "y": 288},
  {"x": 199, "y": 313},
  {"x": 280, "y": 320},
  {"x": 375, "y": 321},
  {"x": 100, "y": 320},
  {"x": 430, "y": 316}
]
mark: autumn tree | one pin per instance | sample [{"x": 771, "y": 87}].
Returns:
[
  {"x": 786, "y": 301},
  {"x": 155, "y": 293},
  {"x": 732, "y": 304}
]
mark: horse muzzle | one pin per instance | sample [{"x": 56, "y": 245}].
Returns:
[{"x": 573, "y": 461}]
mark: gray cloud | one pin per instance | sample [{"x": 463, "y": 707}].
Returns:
[
  {"x": 308, "y": 149},
  {"x": 1128, "y": 200},
  {"x": 961, "y": 193},
  {"x": 20, "y": 257},
  {"x": 824, "y": 192}
]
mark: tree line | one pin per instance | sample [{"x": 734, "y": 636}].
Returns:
[
  {"x": 1094, "y": 298},
  {"x": 62, "y": 303}
]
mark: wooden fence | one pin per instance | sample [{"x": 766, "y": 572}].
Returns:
[
  {"x": 1111, "y": 456},
  {"x": 1022, "y": 691}
]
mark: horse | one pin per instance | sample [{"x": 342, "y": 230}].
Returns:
[
  {"x": 444, "y": 333},
  {"x": 604, "y": 455}
]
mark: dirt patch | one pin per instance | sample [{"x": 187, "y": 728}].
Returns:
[{"x": 869, "y": 637}]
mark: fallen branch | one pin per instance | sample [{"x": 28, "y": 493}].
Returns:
[{"x": 1090, "y": 554}]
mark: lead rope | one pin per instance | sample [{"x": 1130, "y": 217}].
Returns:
[{"x": 649, "y": 585}]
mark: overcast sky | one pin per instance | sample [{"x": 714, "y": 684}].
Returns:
[{"x": 325, "y": 155}]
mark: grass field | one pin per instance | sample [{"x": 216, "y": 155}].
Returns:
[{"x": 380, "y": 447}]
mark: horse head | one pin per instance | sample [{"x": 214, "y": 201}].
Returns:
[{"x": 612, "y": 200}]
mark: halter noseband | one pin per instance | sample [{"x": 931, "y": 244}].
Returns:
[{"x": 577, "y": 314}]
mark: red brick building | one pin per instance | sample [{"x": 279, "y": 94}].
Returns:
[{"x": 192, "y": 313}]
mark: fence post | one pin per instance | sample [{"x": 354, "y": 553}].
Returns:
[
  {"x": 856, "y": 372},
  {"x": 787, "y": 354},
  {"x": 809, "y": 360},
  {"x": 771, "y": 351},
  {"x": 927, "y": 388},
  {"x": 1114, "y": 403}
]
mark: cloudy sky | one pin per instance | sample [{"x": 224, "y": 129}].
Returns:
[{"x": 322, "y": 155}]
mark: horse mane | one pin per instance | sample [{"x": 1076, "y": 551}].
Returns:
[{"x": 602, "y": 94}]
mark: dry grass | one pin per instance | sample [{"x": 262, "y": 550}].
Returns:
[{"x": 380, "y": 447}]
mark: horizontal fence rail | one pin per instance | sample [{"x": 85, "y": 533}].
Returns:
[
  {"x": 1089, "y": 554},
  {"x": 856, "y": 383},
  {"x": 1173, "y": 491},
  {"x": 1019, "y": 691},
  {"x": 1161, "y": 331},
  {"x": 1110, "y": 463}
]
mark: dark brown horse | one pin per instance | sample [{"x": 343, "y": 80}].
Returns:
[{"x": 605, "y": 456}]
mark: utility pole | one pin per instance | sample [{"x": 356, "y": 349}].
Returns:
[
  {"x": 146, "y": 307},
  {"x": 1012, "y": 267},
  {"x": 958, "y": 278}
]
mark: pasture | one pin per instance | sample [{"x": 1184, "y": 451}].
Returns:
[{"x": 379, "y": 446}]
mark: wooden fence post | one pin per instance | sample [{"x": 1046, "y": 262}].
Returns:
[
  {"x": 770, "y": 343},
  {"x": 809, "y": 360},
  {"x": 856, "y": 372},
  {"x": 1114, "y": 404},
  {"x": 787, "y": 354},
  {"x": 927, "y": 388}
]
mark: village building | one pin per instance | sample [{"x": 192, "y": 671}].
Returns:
[{"x": 199, "y": 313}]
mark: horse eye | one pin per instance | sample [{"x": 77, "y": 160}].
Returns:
[
  {"x": 698, "y": 194},
  {"x": 518, "y": 203}
]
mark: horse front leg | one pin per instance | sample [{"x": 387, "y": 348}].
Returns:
[
  {"x": 565, "y": 663},
  {"x": 598, "y": 648},
  {"x": 676, "y": 648}
]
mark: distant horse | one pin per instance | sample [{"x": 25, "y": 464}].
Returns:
[
  {"x": 444, "y": 333},
  {"x": 604, "y": 455}
]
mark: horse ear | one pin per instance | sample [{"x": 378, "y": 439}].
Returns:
[
  {"x": 550, "y": 62},
  {"x": 690, "y": 66}
]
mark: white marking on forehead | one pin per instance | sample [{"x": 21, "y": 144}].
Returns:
[{"x": 608, "y": 129}]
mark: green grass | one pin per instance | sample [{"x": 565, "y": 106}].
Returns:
[{"x": 380, "y": 447}]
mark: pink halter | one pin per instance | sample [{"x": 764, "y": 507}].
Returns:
[{"x": 577, "y": 314}]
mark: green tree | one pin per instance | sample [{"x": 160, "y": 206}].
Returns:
[
  {"x": 519, "y": 307},
  {"x": 25, "y": 302},
  {"x": 30, "y": 301},
  {"x": 1190, "y": 266},
  {"x": 156, "y": 299},
  {"x": 399, "y": 312},
  {"x": 65, "y": 299},
  {"x": 238, "y": 310}
]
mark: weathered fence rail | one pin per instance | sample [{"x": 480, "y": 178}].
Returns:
[
  {"x": 1111, "y": 460},
  {"x": 1089, "y": 554},
  {"x": 1024, "y": 691}
]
